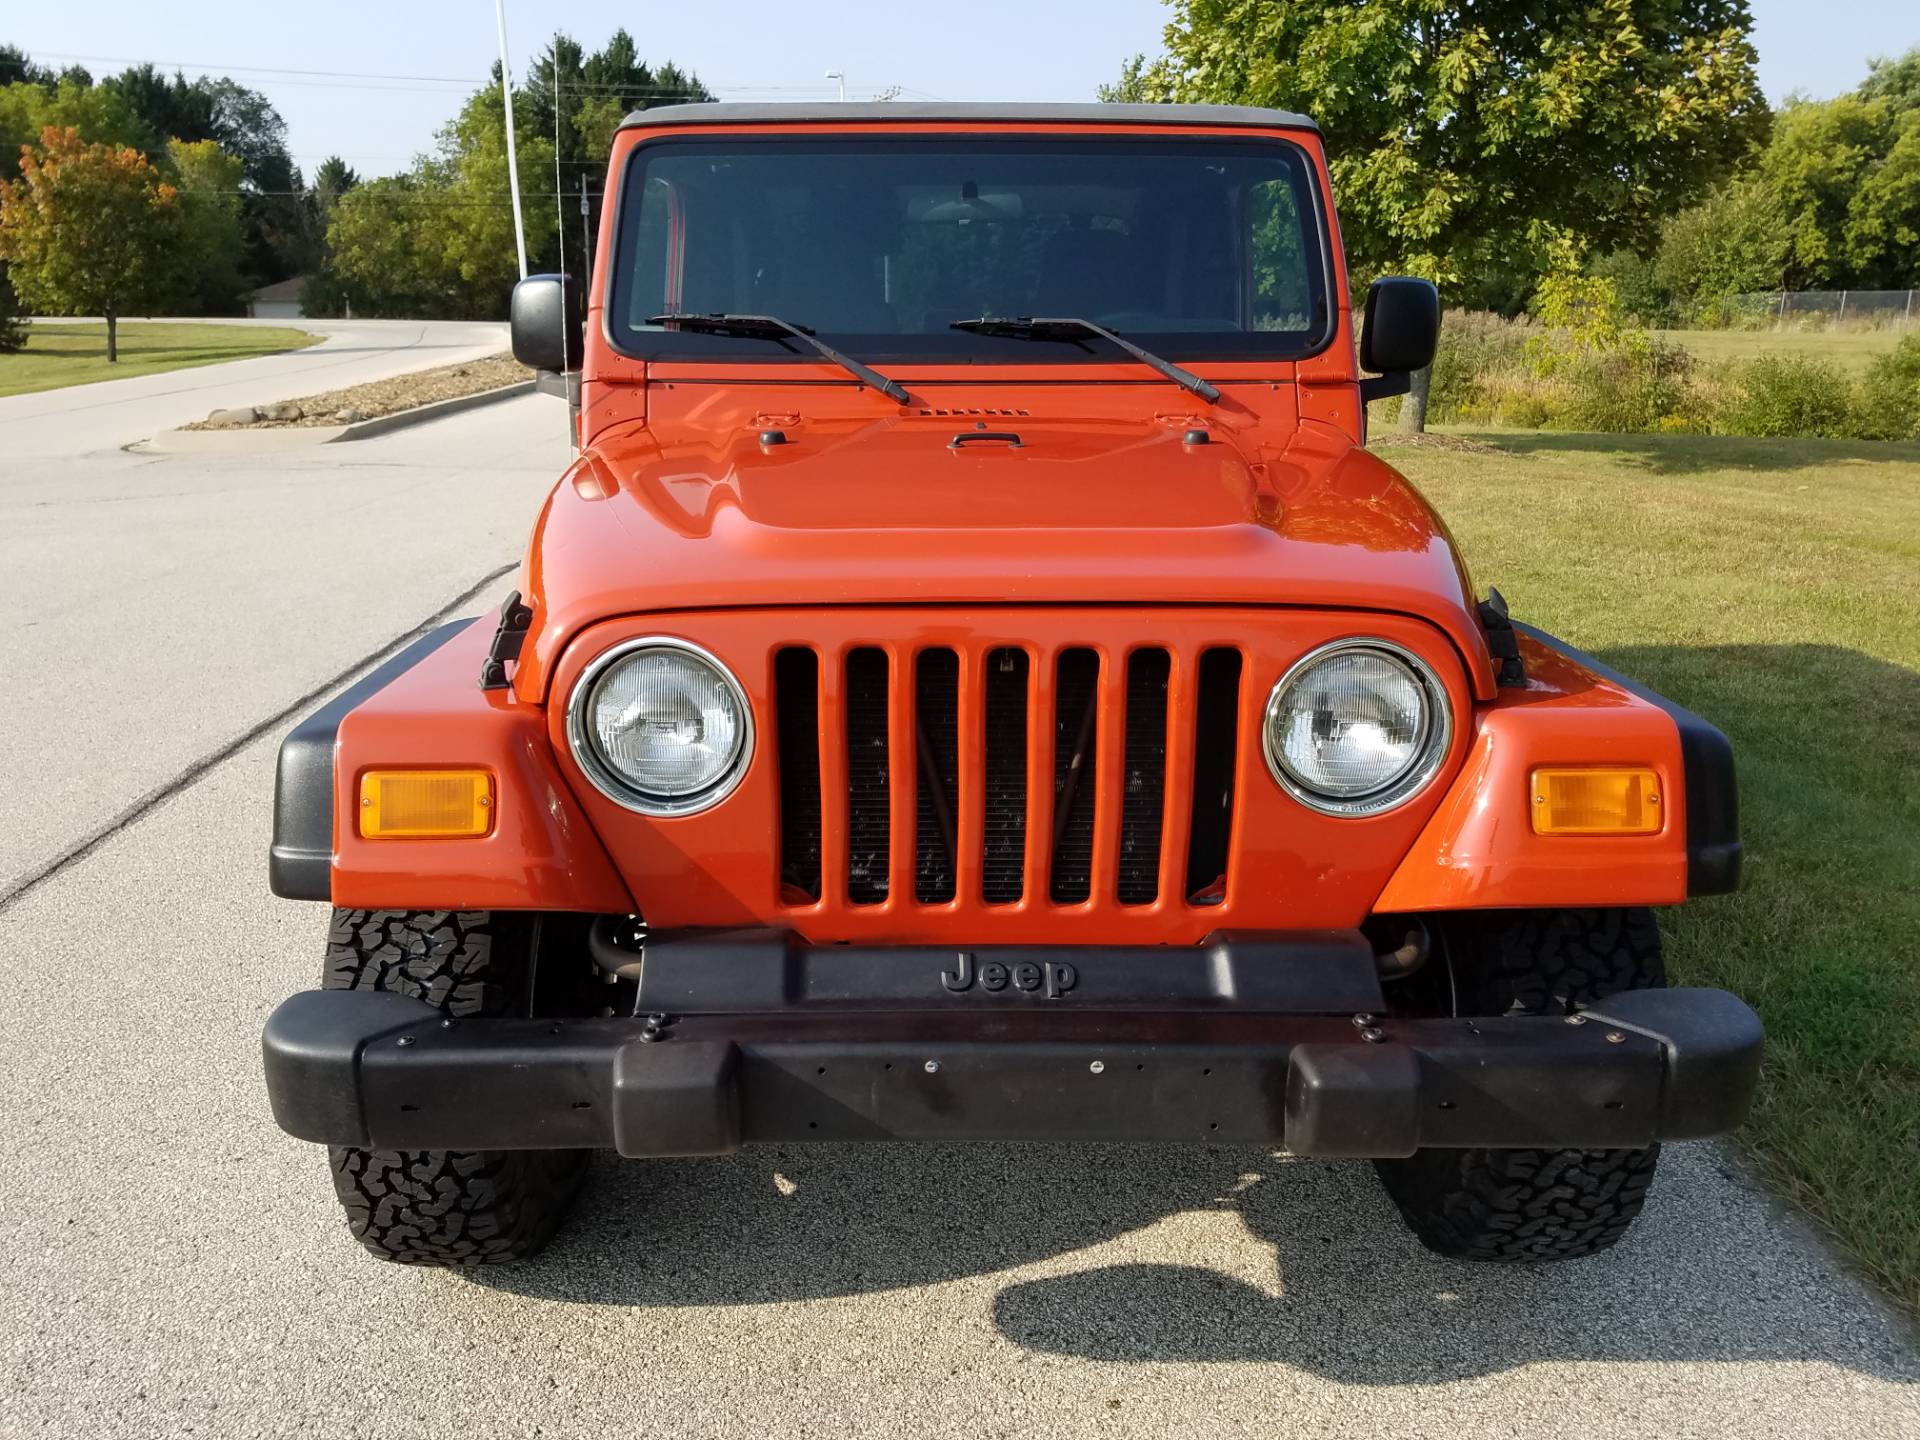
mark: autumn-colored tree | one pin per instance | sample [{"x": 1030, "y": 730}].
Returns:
[{"x": 88, "y": 229}]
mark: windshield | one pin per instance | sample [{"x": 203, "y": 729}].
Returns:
[{"x": 1211, "y": 247}]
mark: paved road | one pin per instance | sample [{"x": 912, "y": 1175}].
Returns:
[
  {"x": 156, "y": 609},
  {"x": 54, "y": 425},
  {"x": 169, "y": 1263}
]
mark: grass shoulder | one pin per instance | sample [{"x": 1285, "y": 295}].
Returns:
[
  {"x": 1771, "y": 587},
  {"x": 62, "y": 353}
]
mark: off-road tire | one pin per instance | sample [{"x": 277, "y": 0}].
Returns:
[
  {"x": 447, "y": 1207},
  {"x": 1533, "y": 1205}
]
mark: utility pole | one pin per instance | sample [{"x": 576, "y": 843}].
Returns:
[
  {"x": 513, "y": 165},
  {"x": 841, "y": 76}
]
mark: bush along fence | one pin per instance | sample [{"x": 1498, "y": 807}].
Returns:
[{"x": 1493, "y": 371}]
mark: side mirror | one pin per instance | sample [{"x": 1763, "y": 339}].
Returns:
[
  {"x": 1399, "y": 335},
  {"x": 548, "y": 324}
]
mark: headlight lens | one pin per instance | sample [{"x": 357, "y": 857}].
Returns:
[
  {"x": 661, "y": 727},
  {"x": 1357, "y": 727}
]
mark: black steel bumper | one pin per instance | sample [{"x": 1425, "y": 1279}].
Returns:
[{"x": 391, "y": 1073}]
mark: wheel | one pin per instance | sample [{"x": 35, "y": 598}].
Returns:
[
  {"x": 1532, "y": 1205},
  {"x": 450, "y": 1207}
]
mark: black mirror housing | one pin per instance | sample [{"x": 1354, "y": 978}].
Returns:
[
  {"x": 548, "y": 324},
  {"x": 1400, "y": 333}
]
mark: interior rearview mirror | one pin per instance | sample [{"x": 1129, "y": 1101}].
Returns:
[
  {"x": 1400, "y": 332},
  {"x": 547, "y": 323}
]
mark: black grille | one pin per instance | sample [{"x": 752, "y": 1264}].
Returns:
[
  {"x": 937, "y": 790},
  {"x": 1076, "y": 741},
  {"x": 1216, "y": 745},
  {"x": 1143, "y": 777},
  {"x": 868, "y": 774},
  {"x": 796, "y": 687},
  {"x": 996, "y": 727}
]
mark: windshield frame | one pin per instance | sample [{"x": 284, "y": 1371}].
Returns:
[{"x": 959, "y": 348}]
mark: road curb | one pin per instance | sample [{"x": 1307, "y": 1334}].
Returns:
[{"x": 245, "y": 440}]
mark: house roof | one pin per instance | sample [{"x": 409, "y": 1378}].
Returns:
[{"x": 854, "y": 112}]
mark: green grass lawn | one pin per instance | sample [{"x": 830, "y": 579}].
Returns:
[
  {"x": 1773, "y": 587},
  {"x": 1849, "y": 349},
  {"x": 70, "y": 353}
]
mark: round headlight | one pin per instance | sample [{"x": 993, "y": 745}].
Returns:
[
  {"x": 1357, "y": 727},
  {"x": 661, "y": 727}
]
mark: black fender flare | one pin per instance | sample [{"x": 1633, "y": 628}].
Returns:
[{"x": 300, "y": 858}]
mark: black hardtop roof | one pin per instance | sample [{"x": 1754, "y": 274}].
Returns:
[{"x": 855, "y": 112}]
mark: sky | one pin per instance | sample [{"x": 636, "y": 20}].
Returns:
[{"x": 321, "y": 65}]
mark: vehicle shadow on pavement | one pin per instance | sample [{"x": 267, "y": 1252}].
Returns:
[{"x": 1343, "y": 1290}]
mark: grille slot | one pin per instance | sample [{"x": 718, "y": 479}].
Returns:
[
  {"x": 1216, "y": 749},
  {"x": 1003, "y": 869},
  {"x": 796, "y": 689},
  {"x": 1076, "y": 747},
  {"x": 1143, "y": 777},
  {"x": 937, "y": 774},
  {"x": 869, "y": 773}
]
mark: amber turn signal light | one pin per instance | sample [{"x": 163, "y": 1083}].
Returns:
[
  {"x": 1596, "y": 801},
  {"x": 425, "y": 804}
]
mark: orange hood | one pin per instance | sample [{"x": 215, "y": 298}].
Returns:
[{"x": 861, "y": 509}]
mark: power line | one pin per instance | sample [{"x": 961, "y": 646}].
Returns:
[{"x": 385, "y": 80}]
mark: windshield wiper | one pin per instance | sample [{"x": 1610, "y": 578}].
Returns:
[
  {"x": 770, "y": 327},
  {"x": 1069, "y": 327}
]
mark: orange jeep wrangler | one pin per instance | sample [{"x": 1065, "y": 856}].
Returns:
[{"x": 975, "y": 684}]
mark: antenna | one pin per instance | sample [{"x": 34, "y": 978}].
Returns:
[
  {"x": 513, "y": 166},
  {"x": 560, "y": 238}
]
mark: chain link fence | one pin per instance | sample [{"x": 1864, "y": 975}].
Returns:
[{"x": 1817, "y": 310}]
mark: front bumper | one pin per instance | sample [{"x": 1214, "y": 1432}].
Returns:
[{"x": 386, "y": 1072}]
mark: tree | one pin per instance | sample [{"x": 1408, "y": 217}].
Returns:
[
  {"x": 17, "y": 68},
  {"x": 1467, "y": 137},
  {"x": 88, "y": 229},
  {"x": 211, "y": 257},
  {"x": 1895, "y": 81},
  {"x": 27, "y": 110},
  {"x": 1732, "y": 243}
]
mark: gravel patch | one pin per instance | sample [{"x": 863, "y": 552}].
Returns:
[{"x": 376, "y": 398}]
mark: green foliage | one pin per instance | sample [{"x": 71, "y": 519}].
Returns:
[
  {"x": 1134, "y": 87},
  {"x": 438, "y": 241},
  {"x": 28, "y": 110},
  {"x": 13, "y": 332},
  {"x": 1781, "y": 398},
  {"x": 1636, "y": 289},
  {"x": 1887, "y": 406},
  {"x": 1897, "y": 82},
  {"x": 1732, "y": 243},
  {"x": 210, "y": 261},
  {"x": 1464, "y": 138}
]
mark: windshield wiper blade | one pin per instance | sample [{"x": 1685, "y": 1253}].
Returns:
[
  {"x": 771, "y": 327},
  {"x": 1066, "y": 327}
]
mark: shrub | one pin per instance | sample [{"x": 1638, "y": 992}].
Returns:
[
  {"x": 13, "y": 334},
  {"x": 1792, "y": 398},
  {"x": 1474, "y": 346},
  {"x": 1887, "y": 404}
]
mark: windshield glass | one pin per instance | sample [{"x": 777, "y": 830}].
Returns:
[{"x": 1204, "y": 248}]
